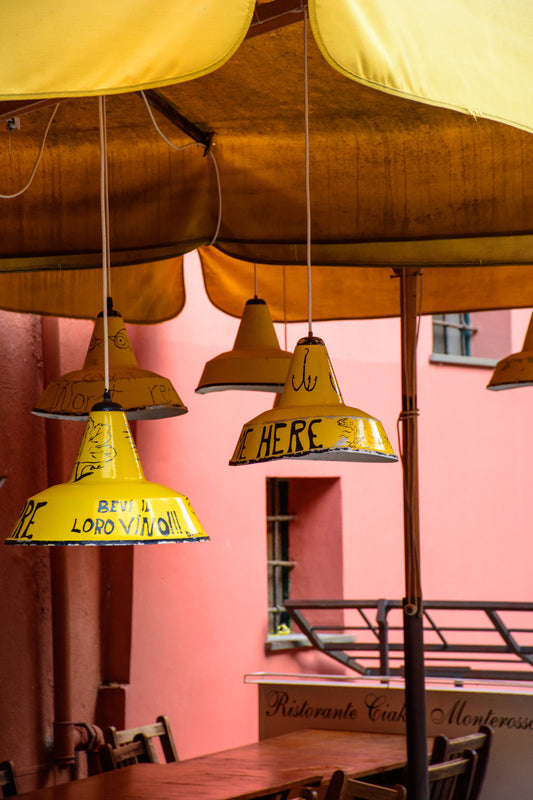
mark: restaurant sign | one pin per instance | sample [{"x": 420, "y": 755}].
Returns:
[{"x": 380, "y": 708}]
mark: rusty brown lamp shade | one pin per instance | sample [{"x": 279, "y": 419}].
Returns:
[
  {"x": 517, "y": 369},
  {"x": 256, "y": 362},
  {"x": 141, "y": 393}
]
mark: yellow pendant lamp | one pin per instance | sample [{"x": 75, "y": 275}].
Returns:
[
  {"x": 515, "y": 370},
  {"x": 256, "y": 362},
  {"x": 107, "y": 500},
  {"x": 310, "y": 420},
  {"x": 141, "y": 393}
]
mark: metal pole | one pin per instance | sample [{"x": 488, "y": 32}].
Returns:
[{"x": 415, "y": 697}]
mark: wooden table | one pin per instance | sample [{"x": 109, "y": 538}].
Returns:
[{"x": 244, "y": 772}]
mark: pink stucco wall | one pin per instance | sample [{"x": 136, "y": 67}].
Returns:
[
  {"x": 26, "y": 665},
  {"x": 199, "y": 611}
]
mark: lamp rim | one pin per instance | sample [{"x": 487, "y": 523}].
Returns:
[
  {"x": 324, "y": 454},
  {"x": 251, "y": 387},
  {"x": 138, "y": 413},
  {"x": 87, "y": 543}
]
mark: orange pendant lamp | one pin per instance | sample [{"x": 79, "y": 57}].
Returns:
[
  {"x": 107, "y": 500},
  {"x": 515, "y": 370},
  {"x": 141, "y": 393},
  {"x": 256, "y": 362}
]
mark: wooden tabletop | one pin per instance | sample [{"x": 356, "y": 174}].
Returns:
[{"x": 242, "y": 772}]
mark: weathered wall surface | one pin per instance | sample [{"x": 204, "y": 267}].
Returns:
[
  {"x": 26, "y": 657},
  {"x": 173, "y": 629}
]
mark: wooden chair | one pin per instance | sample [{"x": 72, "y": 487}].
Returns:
[
  {"x": 8, "y": 780},
  {"x": 341, "y": 787},
  {"x": 450, "y": 780},
  {"x": 295, "y": 792},
  {"x": 136, "y": 752},
  {"x": 159, "y": 729},
  {"x": 445, "y": 749},
  {"x": 454, "y": 779}
]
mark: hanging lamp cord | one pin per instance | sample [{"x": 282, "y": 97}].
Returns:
[
  {"x": 104, "y": 215},
  {"x": 307, "y": 186},
  {"x": 285, "y": 303},
  {"x": 207, "y": 151},
  {"x": 37, "y": 162}
]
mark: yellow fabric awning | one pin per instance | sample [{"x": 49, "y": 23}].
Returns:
[
  {"x": 474, "y": 57},
  {"x": 57, "y": 48},
  {"x": 394, "y": 181},
  {"x": 150, "y": 292},
  {"x": 360, "y": 292}
]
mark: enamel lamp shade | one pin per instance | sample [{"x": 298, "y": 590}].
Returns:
[
  {"x": 256, "y": 362},
  {"x": 517, "y": 369},
  {"x": 311, "y": 421},
  {"x": 141, "y": 393},
  {"x": 107, "y": 500}
]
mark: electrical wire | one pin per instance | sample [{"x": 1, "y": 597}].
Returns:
[
  {"x": 38, "y": 161},
  {"x": 307, "y": 186},
  {"x": 285, "y": 303},
  {"x": 207, "y": 151},
  {"x": 104, "y": 215},
  {"x": 106, "y": 200}
]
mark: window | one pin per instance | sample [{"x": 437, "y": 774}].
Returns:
[
  {"x": 452, "y": 334},
  {"x": 278, "y": 564},
  {"x": 304, "y": 545},
  {"x": 479, "y": 338}
]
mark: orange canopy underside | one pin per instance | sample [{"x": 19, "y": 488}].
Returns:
[{"x": 393, "y": 183}]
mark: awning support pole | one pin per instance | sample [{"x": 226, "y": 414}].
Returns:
[{"x": 415, "y": 697}]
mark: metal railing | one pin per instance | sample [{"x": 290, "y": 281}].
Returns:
[{"x": 478, "y": 640}]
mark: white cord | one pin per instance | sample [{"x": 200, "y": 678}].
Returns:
[
  {"x": 285, "y": 303},
  {"x": 258, "y": 21},
  {"x": 307, "y": 186},
  {"x": 106, "y": 197},
  {"x": 36, "y": 165},
  {"x": 184, "y": 147},
  {"x": 104, "y": 200}
]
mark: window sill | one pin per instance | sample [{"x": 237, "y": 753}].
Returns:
[
  {"x": 281, "y": 642},
  {"x": 462, "y": 361}
]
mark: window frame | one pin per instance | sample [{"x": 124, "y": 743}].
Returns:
[
  {"x": 279, "y": 565},
  {"x": 467, "y": 330}
]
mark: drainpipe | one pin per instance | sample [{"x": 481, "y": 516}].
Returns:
[{"x": 68, "y": 736}]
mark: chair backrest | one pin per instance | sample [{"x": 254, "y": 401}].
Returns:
[
  {"x": 454, "y": 779},
  {"x": 445, "y": 749},
  {"x": 8, "y": 780},
  {"x": 136, "y": 752},
  {"x": 160, "y": 729},
  {"x": 296, "y": 792},
  {"x": 342, "y": 787}
]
